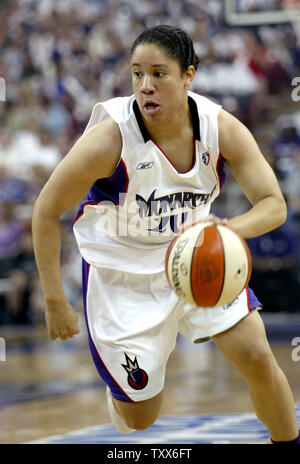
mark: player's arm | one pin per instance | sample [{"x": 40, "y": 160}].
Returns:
[
  {"x": 94, "y": 155},
  {"x": 255, "y": 176}
]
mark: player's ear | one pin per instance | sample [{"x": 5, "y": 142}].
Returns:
[{"x": 189, "y": 75}]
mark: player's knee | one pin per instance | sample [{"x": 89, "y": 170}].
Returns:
[
  {"x": 141, "y": 421},
  {"x": 142, "y": 415}
]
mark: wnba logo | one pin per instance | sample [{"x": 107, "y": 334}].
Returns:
[
  {"x": 206, "y": 158},
  {"x": 2, "y": 89},
  {"x": 2, "y": 349}
]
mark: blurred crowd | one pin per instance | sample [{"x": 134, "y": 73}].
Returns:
[{"x": 59, "y": 58}]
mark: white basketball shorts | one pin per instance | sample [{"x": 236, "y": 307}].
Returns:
[{"x": 133, "y": 321}]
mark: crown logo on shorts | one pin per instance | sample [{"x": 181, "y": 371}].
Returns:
[
  {"x": 131, "y": 365},
  {"x": 137, "y": 377}
]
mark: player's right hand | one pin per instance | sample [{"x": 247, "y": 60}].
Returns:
[
  {"x": 210, "y": 218},
  {"x": 61, "y": 320}
]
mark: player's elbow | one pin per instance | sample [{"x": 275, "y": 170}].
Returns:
[
  {"x": 284, "y": 214},
  {"x": 281, "y": 211},
  {"x": 43, "y": 209}
]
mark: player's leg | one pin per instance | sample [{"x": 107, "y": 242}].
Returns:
[
  {"x": 138, "y": 415},
  {"x": 246, "y": 347},
  {"x": 132, "y": 330}
]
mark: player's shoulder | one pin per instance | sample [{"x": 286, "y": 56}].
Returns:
[
  {"x": 99, "y": 147},
  {"x": 119, "y": 109},
  {"x": 234, "y": 137},
  {"x": 107, "y": 129},
  {"x": 229, "y": 125},
  {"x": 205, "y": 104}
]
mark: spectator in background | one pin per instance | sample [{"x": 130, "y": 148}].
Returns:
[
  {"x": 287, "y": 144},
  {"x": 266, "y": 66},
  {"x": 275, "y": 275},
  {"x": 292, "y": 190},
  {"x": 18, "y": 299},
  {"x": 11, "y": 230},
  {"x": 17, "y": 268},
  {"x": 285, "y": 149},
  {"x": 31, "y": 146},
  {"x": 13, "y": 190}
]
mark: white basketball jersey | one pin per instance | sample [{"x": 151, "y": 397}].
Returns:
[{"x": 129, "y": 218}]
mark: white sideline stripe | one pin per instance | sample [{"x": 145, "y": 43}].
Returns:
[{"x": 236, "y": 428}]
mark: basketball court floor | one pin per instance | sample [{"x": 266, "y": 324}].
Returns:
[{"x": 50, "y": 392}]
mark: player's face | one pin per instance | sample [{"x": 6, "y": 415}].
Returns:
[{"x": 159, "y": 85}]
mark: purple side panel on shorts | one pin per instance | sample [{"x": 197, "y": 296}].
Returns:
[
  {"x": 253, "y": 302},
  {"x": 116, "y": 390}
]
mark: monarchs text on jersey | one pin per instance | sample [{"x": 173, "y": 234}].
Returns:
[{"x": 128, "y": 219}]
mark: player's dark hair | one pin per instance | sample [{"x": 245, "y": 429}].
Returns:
[{"x": 177, "y": 44}]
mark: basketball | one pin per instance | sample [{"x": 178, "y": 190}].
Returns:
[{"x": 208, "y": 264}]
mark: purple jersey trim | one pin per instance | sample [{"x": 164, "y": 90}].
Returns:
[
  {"x": 113, "y": 189},
  {"x": 221, "y": 171},
  {"x": 116, "y": 390}
]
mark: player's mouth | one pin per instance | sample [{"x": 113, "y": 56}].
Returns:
[{"x": 151, "y": 107}]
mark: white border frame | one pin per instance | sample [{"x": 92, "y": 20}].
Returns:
[{"x": 256, "y": 18}]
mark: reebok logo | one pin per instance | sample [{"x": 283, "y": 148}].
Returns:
[{"x": 146, "y": 165}]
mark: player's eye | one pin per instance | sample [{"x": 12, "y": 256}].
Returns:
[
  {"x": 137, "y": 74},
  {"x": 159, "y": 73}
]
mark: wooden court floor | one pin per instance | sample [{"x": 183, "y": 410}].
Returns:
[{"x": 52, "y": 387}]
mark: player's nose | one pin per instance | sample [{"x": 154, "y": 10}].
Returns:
[{"x": 147, "y": 85}]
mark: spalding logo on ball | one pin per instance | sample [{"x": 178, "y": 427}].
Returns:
[{"x": 208, "y": 264}]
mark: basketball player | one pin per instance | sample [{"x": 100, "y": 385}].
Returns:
[{"x": 150, "y": 164}]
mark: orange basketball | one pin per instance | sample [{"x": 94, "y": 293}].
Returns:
[{"x": 208, "y": 264}]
